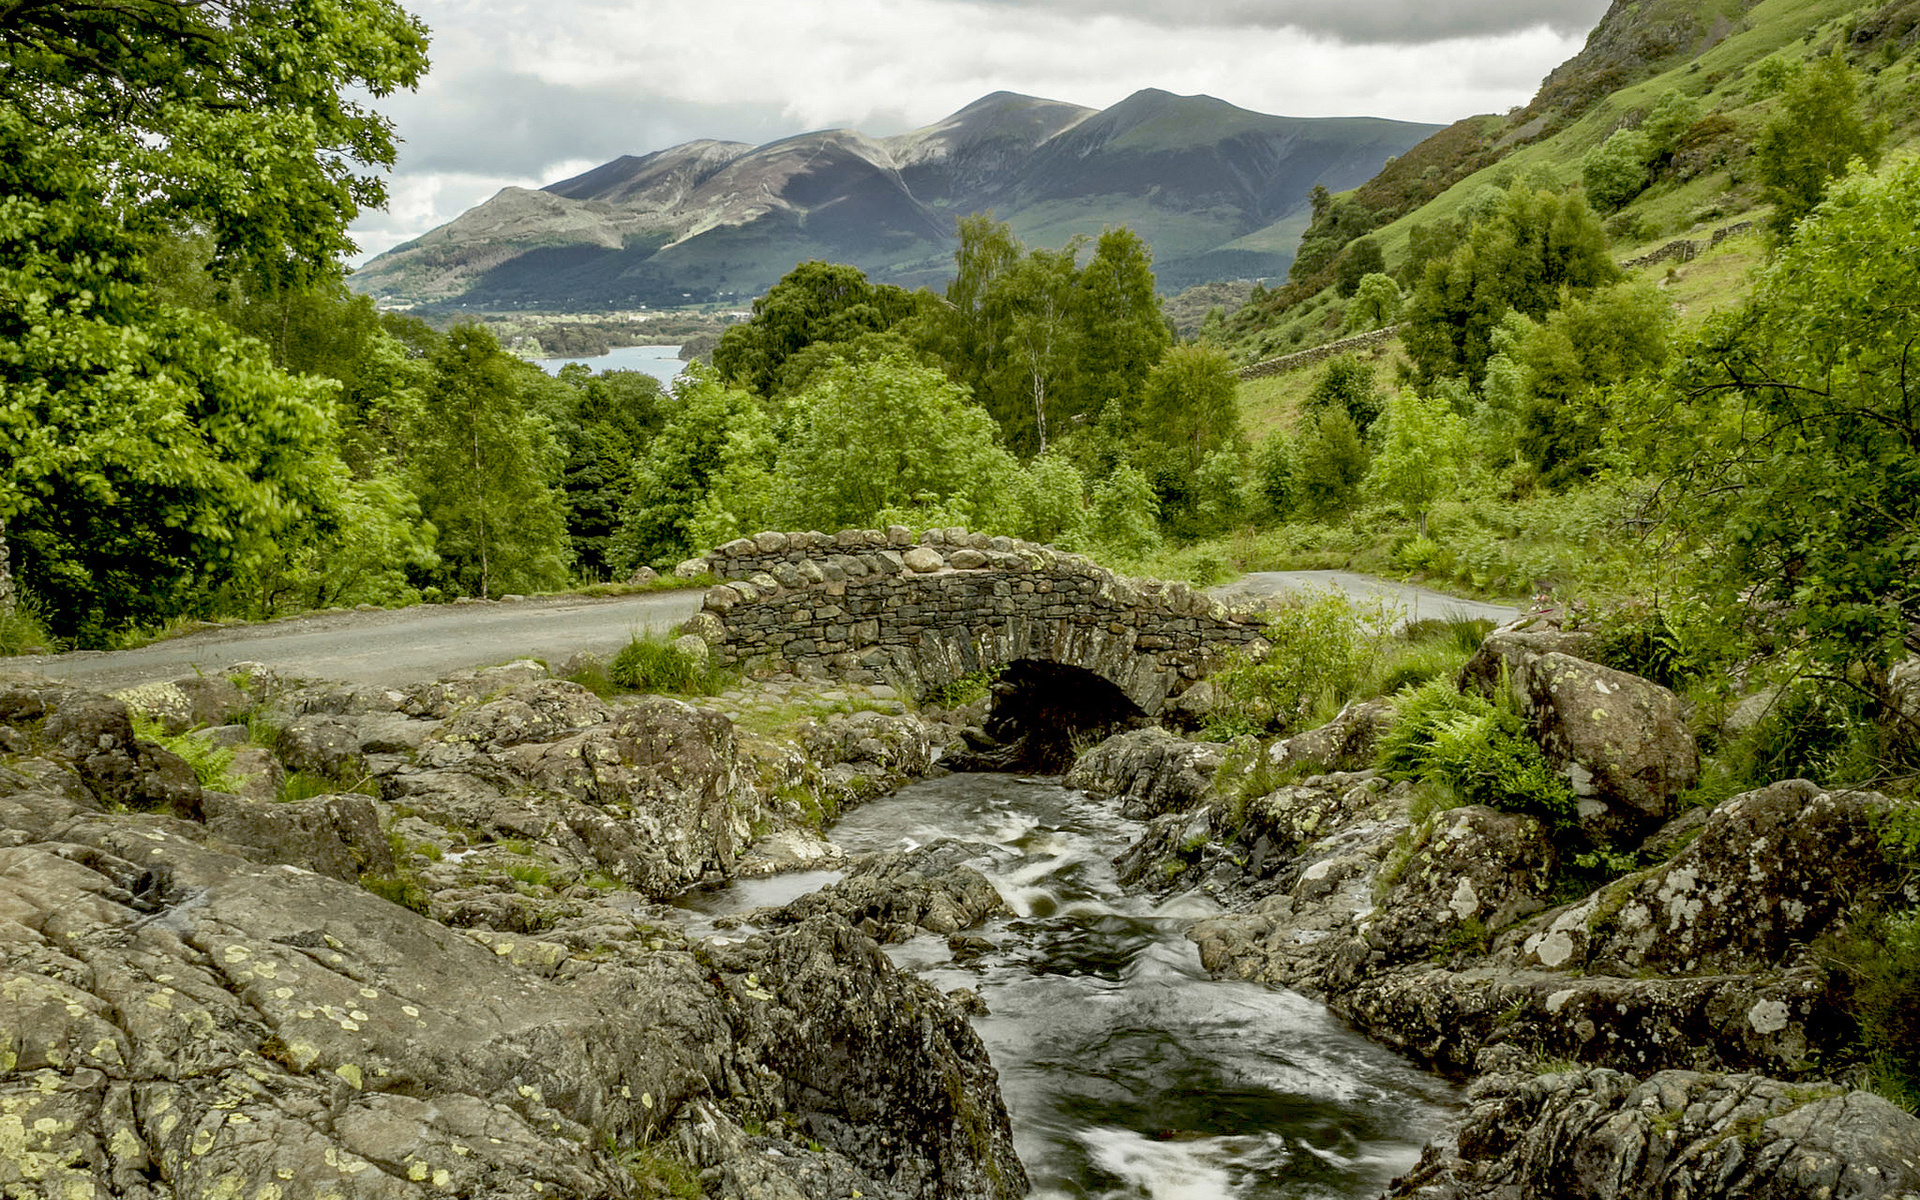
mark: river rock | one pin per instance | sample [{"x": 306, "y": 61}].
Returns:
[
  {"x": 869, "y": 1061},
  {"x": 1150, "y": 771},
  {"x": 899, "y": 895},
  {"x": 1769, "y": 871},
  {"x": 1621, "y": 741},
  {"x": 1345, "y": 743},
  {"x": 1606, "y": 1135}
]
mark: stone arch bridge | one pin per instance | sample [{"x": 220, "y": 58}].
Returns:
[{"x": 920, "y": 611}]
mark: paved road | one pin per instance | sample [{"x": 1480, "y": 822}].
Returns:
[
  {"x": 388, "y": 647},
  {"x": 1415, "y": 603}
]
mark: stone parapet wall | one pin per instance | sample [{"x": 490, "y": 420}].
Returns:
[{"x": 919, "y": 611}]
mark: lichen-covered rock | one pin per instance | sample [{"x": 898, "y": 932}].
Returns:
[
  {"x": 328, "y": 747},
  {"x": 1475, "y": 870},
  {"x": 1505, "y": 653},
  {"x": 94, "y": 734},
  {"x": 1345, "y": 743},
  {"x": 176, "y": 1013},
  {"x": 540, "y": 711},
  {"x": 1608, "y": 1136},
  {"x": 898, "y": 895},
  {"x": 1621, "y": 741},
  {"x": 661, "y": 799},
  {"x": 1769, "y": 871},
  {"x": 1150, "y": 771},
  {"x": 337, "y": 836},
  {"x": 871, "y": 1062}
]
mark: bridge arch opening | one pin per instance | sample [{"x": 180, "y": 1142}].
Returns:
[{"x": 1042, "y": 714}]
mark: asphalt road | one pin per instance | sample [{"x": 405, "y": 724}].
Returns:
[
  {"x": 389, "y": 647},
  {"x": 1414, "y": 603}
]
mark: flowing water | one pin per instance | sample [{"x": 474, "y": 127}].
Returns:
[{"x": 1130, "y": 1072}]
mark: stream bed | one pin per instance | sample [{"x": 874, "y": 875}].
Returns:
[{"x": 1128, "y": 1070}]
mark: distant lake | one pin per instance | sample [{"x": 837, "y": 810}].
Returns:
[{"x": 661, "y": 362}]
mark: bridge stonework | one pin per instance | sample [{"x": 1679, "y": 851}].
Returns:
[{"x": 917, "y": 612}]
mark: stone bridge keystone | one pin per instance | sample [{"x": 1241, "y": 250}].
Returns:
[{"x": 885, "y": 606}]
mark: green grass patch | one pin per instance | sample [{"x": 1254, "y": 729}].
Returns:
[{"x": 649, "y": 664}]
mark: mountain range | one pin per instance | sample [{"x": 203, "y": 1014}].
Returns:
[{"x": 1218, "y": 191}]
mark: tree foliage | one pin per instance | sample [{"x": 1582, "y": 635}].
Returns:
[
  {"x": 485, "y": 466},
  {"x": 155, "y": 456},
  {"x": 1530, "y": 248},
  {"x": 890, "y": 437},
  {"x": 1793, "y": 426},
  {"x": 1819, "y": 129},
  {"x": 1041, "y": 340}
]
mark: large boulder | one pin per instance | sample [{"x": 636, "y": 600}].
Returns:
[
  {"x": 1607, "y": 1136},
  {"x": 661, "y": 799},
  {"x": 1150, "y": 771},
  {"x": 1474, "y": 870},
  {"x": 1621, "y": 741},
  {"x": 337, "y": 836},
  {"x": 894, "y": 896},
  {"x": 1769, "y": 871},
  {"x": 174, "y": 1012},
  {"x": 869, "y": 1061},
  {"x": 94, "y": 734},
  {"x": 1506, "y": 653}
]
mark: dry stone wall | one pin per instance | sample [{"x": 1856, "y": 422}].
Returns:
[{"x": 918, "y": 611}]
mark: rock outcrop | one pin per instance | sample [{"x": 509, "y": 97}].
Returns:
[
  {"x": 1606, "y": 1135},
  {"x": 458, "y": 985}
]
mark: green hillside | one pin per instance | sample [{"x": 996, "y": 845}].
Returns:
[{"x": 1713, "y": 54}]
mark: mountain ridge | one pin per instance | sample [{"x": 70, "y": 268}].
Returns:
[{"x": 713, "y": 219}]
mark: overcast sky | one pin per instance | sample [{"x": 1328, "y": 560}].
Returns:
[{"x": 528, "y": 92}]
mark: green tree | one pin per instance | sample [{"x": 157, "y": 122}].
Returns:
[
  {"x": 1189, "y": 405},
  {"x": 1330, "y": 461},
  {"x": 1791, "y": 427},
  {"x": 1616, "y": 171},
  {"x": 485, "y": 467},
  {"x": 1421, "y": 446},
  {"x": 708, "y": 425},
  {"x": 1376, "y": 302},
  {"x": 815, "y": 303},
  {"x": 890, "y": 437},
  {"x": 1819, "y": 129},
  {"x": 1041, "y": 341},
  {"x": 602, "y": 423},
  {"x": 1569, "y": 363},
  {"x": 1124, "y": 513},
  {"x": 1361, "y": 258},
  {"x": 1346, "y": 384},
  {"x": 154, "y": 455},
  {"x": 1531, "y": 248}
]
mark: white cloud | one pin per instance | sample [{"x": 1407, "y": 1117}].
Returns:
[{"x": 524, "y": 93}]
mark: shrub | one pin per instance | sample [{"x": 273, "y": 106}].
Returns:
[
  {"x": 650, "y": 665},
  {"x": 1322, "y": 649}
]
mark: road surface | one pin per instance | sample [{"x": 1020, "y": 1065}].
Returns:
[
  {"x": 1414, "y": 603},
  {"x": 388, "y": 647}
]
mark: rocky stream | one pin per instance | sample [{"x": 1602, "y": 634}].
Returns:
[{"x": 495, "y": 936}]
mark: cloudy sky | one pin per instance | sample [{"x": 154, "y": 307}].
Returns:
[{"x": 531, "y": 91}]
